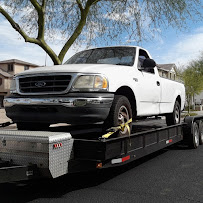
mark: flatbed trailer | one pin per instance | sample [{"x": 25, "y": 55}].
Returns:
[{"x": 26, "y": 155}]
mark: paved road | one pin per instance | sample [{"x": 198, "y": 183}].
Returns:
[
  {"x": 170, "y": 175},
  {"x": 174, "y": 174}
]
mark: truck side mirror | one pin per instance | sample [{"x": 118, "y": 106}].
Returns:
[{"x": 149, "y": 63}]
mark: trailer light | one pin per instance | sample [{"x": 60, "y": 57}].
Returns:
[
  {"x": 29, "y": 173},
  {"x": 169, "y": 141},
  {"x": 99, "y": 165},
  {"x": 125, "y": 158},
  {"x": 120, "y": 160},
  {"x": 56, "y": 146}
]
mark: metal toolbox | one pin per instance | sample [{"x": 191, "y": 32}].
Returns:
[{"x": 46, "y": 150}]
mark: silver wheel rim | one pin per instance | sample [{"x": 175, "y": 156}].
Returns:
[
  {"x": 177, "y": 115},
  {"x": 196, "y": 136},
  {"x": 201, "y": 133},
  {"x": 123, "y": 117}
]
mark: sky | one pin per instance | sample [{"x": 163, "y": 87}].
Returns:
[{"x": 170, "y": 46}]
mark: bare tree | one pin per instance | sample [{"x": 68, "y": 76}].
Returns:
[{"x": 93, "y": 21}]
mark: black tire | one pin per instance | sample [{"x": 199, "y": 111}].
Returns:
[
  {"x": 200, "y": 124},
  {"x": 174, "y": 117},
  {"x": 32, "y": 126},
  {"x": 120, "y": 112},
  {"x": 194, "y": 136}
]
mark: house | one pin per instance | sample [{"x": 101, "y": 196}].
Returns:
[
  {"x": 168, "y": 71},
  {"x": 199, "y": 99},
  {"x": 8, "y": 68},
  {"x": 5, "y": 79}
]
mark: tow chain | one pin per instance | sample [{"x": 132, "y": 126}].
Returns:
[
  {"x": 121, "y": 127},
  {"x": 2, "y": 125}
]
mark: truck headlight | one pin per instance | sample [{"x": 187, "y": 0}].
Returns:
[
  {"x": 90, "y": 83},
  {"x": 13, "y": 86}
]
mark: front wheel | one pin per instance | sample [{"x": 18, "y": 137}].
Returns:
[
  {"x": 174, "y": 117},
  {"x": 120, "y": 113}
]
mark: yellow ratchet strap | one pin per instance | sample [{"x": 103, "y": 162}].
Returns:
[{"x": 120, "y": 127}]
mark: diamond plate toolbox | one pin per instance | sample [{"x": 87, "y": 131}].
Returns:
[{"x": 48, "y": 150}]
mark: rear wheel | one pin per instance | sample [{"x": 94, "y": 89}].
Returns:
[
  {"x": 200, "y": 124},
  {"x": 32, "y": 126},
  {"x": 174, "y": 117},
  {"x": 120, "y": 113},
  {"x": 194, "y": 138}
]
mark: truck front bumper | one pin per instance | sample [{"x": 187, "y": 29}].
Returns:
[{"x": 72, "y": 110}]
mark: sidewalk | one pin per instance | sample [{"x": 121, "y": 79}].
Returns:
[{"x": 197, "y": 112}]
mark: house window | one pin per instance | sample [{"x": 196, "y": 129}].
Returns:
[
  {"x": 164, "y": 74},
  {"x": 26, "y": 67},
  {"x": 10, "y": 67},
  {"x": 1, "y": 81}
]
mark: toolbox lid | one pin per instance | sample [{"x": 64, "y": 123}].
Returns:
[{"x": 34, "y": 136}]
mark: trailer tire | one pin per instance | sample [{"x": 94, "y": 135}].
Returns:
[
  {"x": 200, "y": 124},
  {"x": 32, "y": 126},
  {"x": 120, "y": 113},
  {"x": 194, "y": 136},
  {"x": 174, "y": 117}
]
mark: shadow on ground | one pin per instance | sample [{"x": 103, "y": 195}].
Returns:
[{"x": 56, "y": 188}]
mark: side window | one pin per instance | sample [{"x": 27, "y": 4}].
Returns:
[
  {"x": 142, "y": 56},
  {"x": 26, "y": 67},
  {"x": 10, "y": 67},
  {"x": 141, "y": 60},
  {"x": 1, "y": 81}
]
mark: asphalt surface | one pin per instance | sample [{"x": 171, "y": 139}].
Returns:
[
  {"x": 171, "y": 175},
  {"x": 174, "y": 174}
]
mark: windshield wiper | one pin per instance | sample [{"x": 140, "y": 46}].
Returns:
[{"x": 123, "y": 64}]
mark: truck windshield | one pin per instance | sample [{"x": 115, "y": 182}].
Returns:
[{"x": 110, "y": 55}]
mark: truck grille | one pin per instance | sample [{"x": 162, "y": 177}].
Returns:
[{"x": 44, "y": 84}]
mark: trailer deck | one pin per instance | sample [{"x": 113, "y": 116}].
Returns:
[{"x": 34, "y": 154}]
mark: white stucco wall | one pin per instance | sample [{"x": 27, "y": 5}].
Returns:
[{"x": 199, "y": 98}]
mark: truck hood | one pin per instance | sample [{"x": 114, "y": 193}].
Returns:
[{"x": 75, "y": 68}]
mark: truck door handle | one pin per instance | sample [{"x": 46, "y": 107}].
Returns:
[{"x": 158, "y": 83}]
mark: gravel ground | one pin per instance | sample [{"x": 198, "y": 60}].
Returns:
[{"x": 3, "y": 117}]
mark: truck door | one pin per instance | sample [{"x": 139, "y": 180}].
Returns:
[{"x": 149, "y": 88}]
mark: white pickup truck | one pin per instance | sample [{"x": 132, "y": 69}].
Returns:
[{"x": 109, "y": 85}]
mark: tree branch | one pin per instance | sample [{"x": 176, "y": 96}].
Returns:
[
  {"x": 17, "y": 27},
  {"x": 50, "y": 52},
  {"x": 36, "y": 5},
  {"x": 44, "y": 2},
  {"x": 41, "y": 43},
  {"x": 72, "y": 39},
  {"x": 91, "y": 2},
  {"x": 80, "y": 5},
  {"x": 79, "y": 28},
  {"x": 41, "y": 18}
]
